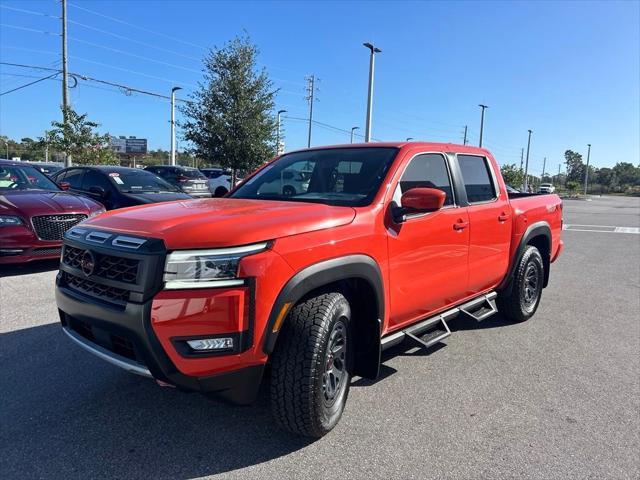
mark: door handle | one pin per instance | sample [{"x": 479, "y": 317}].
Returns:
[
  {"x": 460, "y": 225},
  {"x": 503, "y": 217}
]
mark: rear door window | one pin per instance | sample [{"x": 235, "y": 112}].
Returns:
[
  {"x": 478, "y": 182},
  {"x": 428, "y": 170}
]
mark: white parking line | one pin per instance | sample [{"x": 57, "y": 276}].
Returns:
[{"x": 601, "y": 229}]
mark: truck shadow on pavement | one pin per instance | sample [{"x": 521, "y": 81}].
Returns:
[
  {"x": 66, "y": 414},
  {"x": 29, "y": 268}
]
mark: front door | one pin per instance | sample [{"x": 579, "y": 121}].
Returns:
[{"x": 428, "y": 252}]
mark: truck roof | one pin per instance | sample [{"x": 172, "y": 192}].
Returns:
[{"x": 439, "y": 146}]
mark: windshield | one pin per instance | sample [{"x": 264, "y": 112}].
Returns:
[
  {"x": 190, "y": 173},
  {"x": 18, "y": 177},
  {"x": 139, "y": 181},
  {"x": 334, "y": 176}
]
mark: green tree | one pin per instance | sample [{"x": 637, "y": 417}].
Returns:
[
  {"x": 575, "y": 166},
  {"x": 229, "y": 120},
  {"x": 77, "y": 138},
  {"x": 512, "y": 175},
  {"x": 627, "y": 174}
]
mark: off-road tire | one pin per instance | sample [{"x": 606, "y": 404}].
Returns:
[
  {"x": 519, "y": 305},
  {"x": 299, "y": 390}
]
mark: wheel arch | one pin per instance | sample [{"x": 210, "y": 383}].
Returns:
[
  {"x": 539, "y": 235},
  {"x": 358, "y": 277}
]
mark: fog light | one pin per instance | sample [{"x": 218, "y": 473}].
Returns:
[{"x": 207, "y": 344}]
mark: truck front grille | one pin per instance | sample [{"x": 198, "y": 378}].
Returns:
[
  {"x": 111, "y": 267},
  {"x": 53, "y": 227},
  {"x": 89, "y": 287}
]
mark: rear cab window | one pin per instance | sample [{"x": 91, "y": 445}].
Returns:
[{"x": 478, "y": 180}]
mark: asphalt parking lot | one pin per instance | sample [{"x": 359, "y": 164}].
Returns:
[{"x": 555, "y": 397}]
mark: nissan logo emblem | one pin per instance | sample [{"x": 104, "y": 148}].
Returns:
[{"x": 87, "y": 263}]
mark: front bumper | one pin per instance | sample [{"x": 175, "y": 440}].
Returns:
[
  {"x": 125, "y": 338},
  {"x": 20, "y": 245}
]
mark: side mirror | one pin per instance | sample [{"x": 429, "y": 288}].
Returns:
[
  {"x": 420, "y": 200},
  {"x": 99, "y": 191},
  {"x": 64, "y": 185}
]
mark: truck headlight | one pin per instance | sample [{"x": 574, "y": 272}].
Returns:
[
  {"x": 10, "y": 221},
  {"x": 209, "y": 268}
]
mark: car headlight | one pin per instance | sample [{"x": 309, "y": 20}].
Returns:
[
  {"x": 10, "y": 221},
  {"x": 207, "y": 268}
]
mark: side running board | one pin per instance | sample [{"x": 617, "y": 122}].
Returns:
[{"x": 432, "y": 330}]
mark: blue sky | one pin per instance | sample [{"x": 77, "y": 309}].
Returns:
[{"x": 570, "y": 71}]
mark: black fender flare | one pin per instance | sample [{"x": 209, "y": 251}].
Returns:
[
  {"x": 541, "y": 228},
  {"x": 323, "y": 273}
]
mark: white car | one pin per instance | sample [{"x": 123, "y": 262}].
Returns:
[
  {"x": 291, "y": 182},
  {"x": 219, "y": 180},
  {"x": 546, "y": 188}
]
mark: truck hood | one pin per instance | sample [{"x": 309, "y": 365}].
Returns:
[
  {"x": 42, "y": 202},
  {"x": 150, "y": 197},
  {"x": 220, "y": 222}
]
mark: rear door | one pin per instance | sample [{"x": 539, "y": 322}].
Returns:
[
  {"x": 490, "y": 223},
  {"x": 428, "y": 252}
]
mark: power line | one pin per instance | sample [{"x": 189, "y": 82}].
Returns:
[
  {"x": 132, "y": 25},
  {"x": 17, "y": 27},
  {"x": 31, "y": 12},
  {"x": 29, "y": 84},
  {"x": 141, "y": 57}
]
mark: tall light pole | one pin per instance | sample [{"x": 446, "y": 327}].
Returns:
[
  {"x": 7, "y": 147},
  {"x": 65, "y": 92},
  {"x": 464, "y": 140},
  {"x": 280, "y": 112},
  {"x": 544, "y": 166},
  {"x": 586, "y": 170},
  {"x": 353, "y": 129},
  {"x": 526, "y": 165},
  {"x": 483, "y": 107},
  {"x": 372, "y": 56},
  {"x": 173, "y": 124}
]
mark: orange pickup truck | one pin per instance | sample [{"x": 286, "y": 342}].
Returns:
[{"x": 377, "y": 244}]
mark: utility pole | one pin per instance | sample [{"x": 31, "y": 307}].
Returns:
[
  {"x": 65, "y": 92},
  {"x": 173, "y": 124},
  {"x": 280, "y": 112},
  {"x": 521, "y": 158},
  {"x": 311, "y": 88},
  {"x": 544, "y": 165},
  {"x": 353, "y": 129},
  {"x": 373, "y": 50},
  {"x": 559, "y": 174},
  {"x": 483, "y": 107},
  {"x": 526, "y": 166},
  {"x": 586, "y": 170},
  {"x": 464, "y": 140}
]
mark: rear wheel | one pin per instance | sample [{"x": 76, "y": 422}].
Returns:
[
  {"x": 524, "y": 298},
  {"x": 311, "y": 366}
]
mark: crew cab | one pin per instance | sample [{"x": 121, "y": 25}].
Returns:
[{"x": 385, "y": 243}]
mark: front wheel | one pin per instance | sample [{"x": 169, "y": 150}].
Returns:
[
  {"x": 311, "y": 366},
  {"x": 526, "y": 291}
]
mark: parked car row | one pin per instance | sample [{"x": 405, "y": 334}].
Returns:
[{"x": 40, "y": 201}]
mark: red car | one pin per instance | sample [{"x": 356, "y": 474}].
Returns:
[
  {"x": 35, "y": 213},
  {"x": 386, "y": 243}
]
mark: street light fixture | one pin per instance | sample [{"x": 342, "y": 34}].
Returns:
[
  {"x": 526, "y": 166},
  {"x": 353, "y": 129},
  {"x": 373, "y": 50},
  {"x": 483, "y": 107},
  {"x": 409, "y": 139},
  {"x": 586, "y": 170},
  {"x": 173, "y": 124},
  {"x": 280, "y": 112}
]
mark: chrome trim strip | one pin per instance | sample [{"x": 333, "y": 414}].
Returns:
[
  {"x": 187, "y": 284},
  {"x": 179, "y": 255},
  {"x": 106, "y": 355}
]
